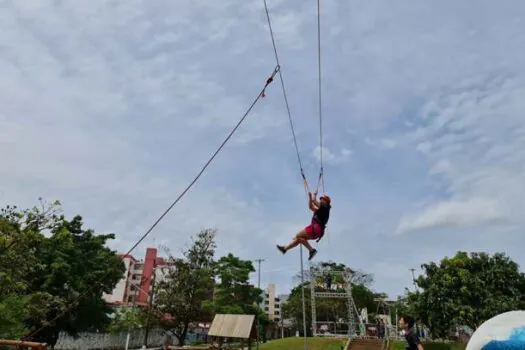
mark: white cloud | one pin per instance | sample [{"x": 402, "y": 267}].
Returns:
[
  {"x": 474, "y": 212},
  {"x": 386, "y": 144},
  {"x": 472, "y": 142},
  {"x": 332, "y": 158}
]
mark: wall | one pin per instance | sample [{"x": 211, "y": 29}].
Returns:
[{"x": 101, "y": 341}]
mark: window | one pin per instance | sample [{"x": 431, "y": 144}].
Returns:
[
  {"x": 277, "y": 300},
  {"x": 132, "y": 287},
  {"x": 276, "y": 313}
]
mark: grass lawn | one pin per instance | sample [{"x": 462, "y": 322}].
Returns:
[
  {"x": 317, "y": 343},
  {"x": 398, "y": 345}
]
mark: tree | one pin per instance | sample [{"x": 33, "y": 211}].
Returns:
[
  {"x": 18, "y": 243},
  {"x": 467, "y": 289},
  {"x": 188, "y": 284},
  {"x": 233, "y": 292},
  {"x": 76, "y": 268},
  {"x": 293, "y": 308},
  {"x": 57, "y": 270},
  {"x": 12, "y": 315},
  {"x": 127, "y": 318},
  {"x": 20, "y": 238}
]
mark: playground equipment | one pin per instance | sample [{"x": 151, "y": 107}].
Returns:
[{"x": 342, "y": 279}]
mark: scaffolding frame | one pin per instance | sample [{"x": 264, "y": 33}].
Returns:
[{"x": 347, "y": 295}]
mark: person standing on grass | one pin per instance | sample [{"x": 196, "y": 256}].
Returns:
[{"x": 406, "y": 323}]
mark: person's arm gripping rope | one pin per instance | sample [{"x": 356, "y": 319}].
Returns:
[{"x": 313, "y": 204}]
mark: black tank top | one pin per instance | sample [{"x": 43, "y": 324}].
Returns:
[{"x": 322, "y": 214}]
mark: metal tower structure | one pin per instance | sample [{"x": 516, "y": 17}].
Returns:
[{"x": 353, "y": 315}]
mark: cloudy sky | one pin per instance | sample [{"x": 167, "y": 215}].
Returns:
[{"x": 112, "y": 106}]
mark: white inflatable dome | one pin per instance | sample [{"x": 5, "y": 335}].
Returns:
[{"x": 508, "y": 326}]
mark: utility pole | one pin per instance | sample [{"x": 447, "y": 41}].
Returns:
[
  {"x": 259, "y": 261},
  {"x": 302, "y": 295},
  {"x": 282, "y": 325}
]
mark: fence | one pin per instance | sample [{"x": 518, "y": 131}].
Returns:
[{"x": 103, "y": 341}]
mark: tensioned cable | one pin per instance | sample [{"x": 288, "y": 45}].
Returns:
[
  {"x": 321, "y": 175},
  {"x": 283, "y": 88},
  {"x": 182, "y": 194},
  {"x": 298, "y": 159}
]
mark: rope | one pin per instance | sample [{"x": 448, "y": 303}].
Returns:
[
  {"x": 321, "y": 173},
  {"x": 182, "y": 194},
  {"x": 306, "y": 187},
  {"x": 285, "y": 95}
]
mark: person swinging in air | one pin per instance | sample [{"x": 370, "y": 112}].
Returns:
[{"x": 315, "y": 230}]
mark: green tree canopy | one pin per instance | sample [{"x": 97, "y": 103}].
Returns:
[
  {"x": 233, "y": 292},
  {"x": 467, "y": 289},
  {"x": 188, "y": 285},
  {"x": 126, "y": 318},
  {"x": 61, "y": 273}
]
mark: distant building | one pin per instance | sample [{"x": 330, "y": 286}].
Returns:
[
  {"x": 272, "y": 303},
  {"x": 286, "y": 321},
  {"x": 135, "y": 287}
]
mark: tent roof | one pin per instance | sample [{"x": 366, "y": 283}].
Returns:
[{"x": 232, "y": 326}]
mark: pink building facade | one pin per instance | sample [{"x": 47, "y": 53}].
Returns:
[{"x": 135, "y": 287}]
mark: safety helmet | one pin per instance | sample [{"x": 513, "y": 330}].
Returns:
[{"x": 326, "y": 198}]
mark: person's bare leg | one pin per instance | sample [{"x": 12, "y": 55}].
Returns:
[
  {"x": 307, "y": 245},
  {"x": 292, "y": 244},
  {"x": 300, "y": 238}
]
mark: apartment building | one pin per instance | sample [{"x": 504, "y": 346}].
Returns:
[
  {"x": 272, "y": 303},
  {"x": 136, "y": 284}
]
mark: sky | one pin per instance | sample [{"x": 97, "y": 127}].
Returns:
[{"x": 113, "y": 106}]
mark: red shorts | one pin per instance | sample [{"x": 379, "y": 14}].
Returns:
[{"x": 314, "y": 230}]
